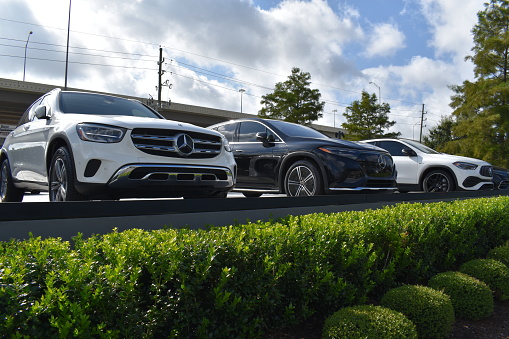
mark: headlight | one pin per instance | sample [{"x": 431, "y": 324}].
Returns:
[
  {"x": 345, "y": 152},
  {"x": 100, "y": 133},
  {"x": 465, "y": 165},
  {"x": 226, "y": 144}
]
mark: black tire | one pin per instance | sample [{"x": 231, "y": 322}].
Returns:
[
  {"x": 303, "y": 179},
  {"x": 438, "y": 181},
  {"x": 219, "y": 195},
  {"x": 62, "y": 177},
  {"x": 8, "y": 192},
  {"x": 252, "y": 194}
]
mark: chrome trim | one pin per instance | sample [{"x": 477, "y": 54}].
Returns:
[
  {"x": 363, "y": 188},
  {"x": 121, "y": 176}
]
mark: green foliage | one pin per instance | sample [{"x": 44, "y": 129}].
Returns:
[
  {"x": 481, "y": 106},
  {"x": 500, "y": 253},
  {"x": 370, "y": 322},
  {"x": 236, "y": 281},
  {"x": 440, "y": 135},
  {"x": 293, "y": 100},
  {"x": 494, "y": 273},
  {"x": 430, "y": 310},
  {"x": 367, "y": 119},
  {"x": 471, "y": 298}
]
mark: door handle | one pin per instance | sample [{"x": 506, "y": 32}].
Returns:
[{"x": 239, "y": 150}]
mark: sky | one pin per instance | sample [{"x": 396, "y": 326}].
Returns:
[{"x": 406, "y": 52}]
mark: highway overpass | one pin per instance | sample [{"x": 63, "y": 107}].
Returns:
[{"x": 16, "y": 96}]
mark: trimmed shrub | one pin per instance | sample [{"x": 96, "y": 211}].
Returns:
[
  {"x": 500, "y": 253},
  {"x": 430, "y": 310},
  {"x": 494, "y": 273},
  {"x": 368, "y": 321},
  {"x": 470, "y": 297}
]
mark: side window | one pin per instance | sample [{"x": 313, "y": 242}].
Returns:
[
  {"x": 29, "y": 113},
  {"x": 395, "y": 148},
  {"x": 248, "y": 130},
  {"x": 228, "y": 131}
]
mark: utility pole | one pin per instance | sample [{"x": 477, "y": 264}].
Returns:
[
  {"x": 160, "y": 73},
  {"x": 422, "y": 120}
]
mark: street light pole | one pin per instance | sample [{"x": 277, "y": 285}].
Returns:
[
  {"x": 241, "y": 92},
  {"x": 25, "y": 62},
  {"x": 379, "y": 93},
  {"x": 67, "y": 52},
  {"x": 334, "y": 115}
]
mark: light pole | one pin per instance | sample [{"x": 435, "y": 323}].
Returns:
[
  {"x": 413, "y": 129},
  {"x": 241, "y": 92},
  {"x": 379, "y": 94},
  {"x": 334, "y": 115},
  {"x": 67, "y": 52},
  {"x": 25, "y": 62}
]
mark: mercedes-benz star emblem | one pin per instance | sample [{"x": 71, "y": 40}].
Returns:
[
  {"x": 382, "y": 162},
  {"x": 184, "y": 144}
]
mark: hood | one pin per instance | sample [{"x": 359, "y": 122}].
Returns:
[
  {"x": 452, "y": 158},
  {"x": 360, "y": 146},
  {"x": 131, "y": 122}
]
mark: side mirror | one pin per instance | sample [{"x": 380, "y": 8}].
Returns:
[
  {"x": 261, "y": 136},
  {"x": 40, "y": 112},
  {"x": 264, "y": 138},
  {"x": 409, "y": 152}
]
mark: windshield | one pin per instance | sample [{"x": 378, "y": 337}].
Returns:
[
  {"x": 421, "y": 147},
  {"x": 97, "y": 104},
  {"x": 295, "y": 130}
]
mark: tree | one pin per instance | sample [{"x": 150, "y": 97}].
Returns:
[
  {"x": 293, "y": 100},
  {"x": 440, "y": 135},
  {"x": 481, "y": 107},
  {"x": 366, "y": 119}
]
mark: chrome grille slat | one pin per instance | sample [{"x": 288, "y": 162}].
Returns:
[{"x": 161, "y": 142}]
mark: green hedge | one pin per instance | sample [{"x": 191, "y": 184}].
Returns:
[
  {"x": 430, "y": 310},
  {"x": 471, "y": 298},
  {"x": 369, "y": 322},
  {"x": 237, "y": 281}
]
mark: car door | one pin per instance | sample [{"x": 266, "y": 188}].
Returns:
[
  {"x": 256, "y": 165},
  {"x": 407, "y": 166},
  {"x": 27, "y": 147}
]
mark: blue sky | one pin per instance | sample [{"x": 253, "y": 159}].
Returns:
[{"x": 411, "y": 49}]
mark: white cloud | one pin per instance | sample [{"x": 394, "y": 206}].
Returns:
[
  {"x": 385, "y": 40},
  {"x": 451, "y": 22}
]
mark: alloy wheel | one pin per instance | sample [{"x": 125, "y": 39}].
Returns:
[
  {"x": 437, "y": 182},
  {"x": 301, "y": 182},
  {"x": 58, "y": 181}
]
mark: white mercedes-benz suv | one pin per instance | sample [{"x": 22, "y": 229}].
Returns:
[
  {"x": 421, "y": 168},
  {"x": 81, "y": 146}
]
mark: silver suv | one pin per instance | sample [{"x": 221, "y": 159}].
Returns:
[{"x": 81, "y": 146}]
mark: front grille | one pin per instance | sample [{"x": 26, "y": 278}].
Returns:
[
  {"x": 487, "y": 171},
  {"x": 376, "y": 164},
  {"x": 162, "y": 142}
]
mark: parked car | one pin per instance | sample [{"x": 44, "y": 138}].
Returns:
[
  {"x": 279, "y": 157},
  {"x": 421, "y": 168},
  {"x": 81, "y": 146},
  {"x": 500, "y": 178}
]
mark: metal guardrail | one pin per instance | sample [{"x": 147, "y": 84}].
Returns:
[{"x": 67, "y": 219}]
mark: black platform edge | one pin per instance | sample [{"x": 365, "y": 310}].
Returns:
[{"x": 94, "y": 209}]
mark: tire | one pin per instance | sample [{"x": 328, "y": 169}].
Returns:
[
  {"x": 252, "y": 194},
  {"x": 219, "y": 195},
  {"x": 8, "y": 192},
  {"x": 303, "y": 179},
  {"x": 438, "y": 181},
  {"x": 62, "y": 178}
]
